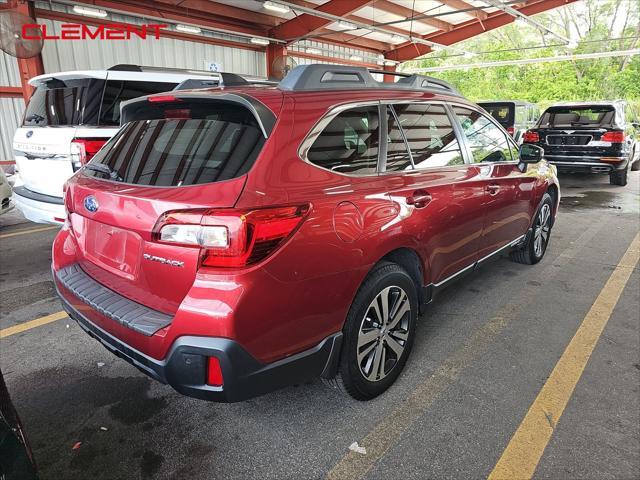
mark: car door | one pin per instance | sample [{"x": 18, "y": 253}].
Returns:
[
  {"x": 509, "y": 191},
  {"x": 430, "y": 181}
]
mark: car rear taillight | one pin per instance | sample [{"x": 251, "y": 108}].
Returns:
[
  {"x": 531, "y": 137},
  {"x": 613, "y": 137},
  {"x": 511, "y": 131},
  {"x": 230, "y": 238},
  {"x": 83, "y": 150}
]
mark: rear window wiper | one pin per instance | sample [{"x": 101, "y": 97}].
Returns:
[
  {"x": 104, "y": 169},
  {"x": 34, "y": 117}
]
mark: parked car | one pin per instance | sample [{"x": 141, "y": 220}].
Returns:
[
  {"x": 69, "y": 117},
  {"x": 515, "y": 116},
  {"x": 5, "y": 194},
  {"x": 590, "y": 137},
  {"x": 16, "y": 459},
  {"x": 231, "y": 242}
]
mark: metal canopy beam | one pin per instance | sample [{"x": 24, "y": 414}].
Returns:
[
  {"x": 408, "y": 13},
  {"x": 308, "y": 23},
  {"x": 519, "y": 15},
  {"x": 470, "y": 29},
  {"x": 460, "y": 5}
]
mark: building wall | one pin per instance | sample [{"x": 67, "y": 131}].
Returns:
[
  {"x": 60, "y": 56},
  {"x": 11, "y": 109}
]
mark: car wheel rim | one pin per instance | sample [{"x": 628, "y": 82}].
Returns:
[
  {"x": 384, "y": 332},
  {"x": 542, "y": 230}
]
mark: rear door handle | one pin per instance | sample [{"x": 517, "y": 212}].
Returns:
[
  {"x": 493, "y": 189},
  {"x": 419, "y": 199}
]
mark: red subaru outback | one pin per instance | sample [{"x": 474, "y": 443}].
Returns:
[{"x": 231, "y": 241}]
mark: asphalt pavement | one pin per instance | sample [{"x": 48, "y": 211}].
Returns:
[{"x": 483, "y": 353}]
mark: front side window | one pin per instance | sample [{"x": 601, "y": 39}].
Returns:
[
  {"x": 349, "y": 143},
  {"x": 488, "y": 143},
  {"x": 430, "y": 135}
]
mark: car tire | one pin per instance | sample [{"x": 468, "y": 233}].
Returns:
[
  {"x": 635, "y": 166},
  {"x": 619, "y": 177},
  {"x": 536, "y": 246},
  {"x": 376, "y": 346}
]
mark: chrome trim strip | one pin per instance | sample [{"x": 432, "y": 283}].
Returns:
[
  {"x": 508, "y": 245},
  {"x": 512, "y": 243},
  {"x": 581, "y": 164}
]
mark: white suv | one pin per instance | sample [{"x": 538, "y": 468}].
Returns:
[{"x": 71, "y": 115}]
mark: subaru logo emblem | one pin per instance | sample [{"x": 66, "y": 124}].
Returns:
[
  {"x": 29, "y": 133},
  {"x": 91, "y": 204}
]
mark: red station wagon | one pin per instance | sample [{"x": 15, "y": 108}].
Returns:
[{"x": 231, "y": 241}]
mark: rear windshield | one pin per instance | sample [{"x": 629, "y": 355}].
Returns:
[
  {"x": 502, "y": 112},
  {"x": 90, "y": 102},
  {"x": 185, "y": 143},
  {"x": 592, "y": 116}
]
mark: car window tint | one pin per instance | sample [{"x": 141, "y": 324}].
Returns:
[
  {"x": 200, "y": 142},
  {"x": 487, "y": 141},
  {"x": 118, "y": 91},
  {"x": 430, "y": 135},
  {"x": 398, "y": 157},
  {"x": 349, "y": 144}
]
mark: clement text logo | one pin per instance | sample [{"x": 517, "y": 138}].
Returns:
[{"x": 78, "y": 31}]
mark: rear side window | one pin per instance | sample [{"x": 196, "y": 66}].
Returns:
[
  {"x": 118, "y": 91},
  {"x": 349, "y": 143},
  {"x": 430, "y": 135},
  {"x": 591, "y": 116},
  {"x": 184, "y": 143},
  {"x": 60, "y": 103}
]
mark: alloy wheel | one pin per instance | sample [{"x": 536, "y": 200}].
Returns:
[
  {"x": 383, "y": 334},
  {"x": 542, "y": 230}
]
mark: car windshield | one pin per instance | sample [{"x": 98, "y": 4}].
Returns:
[
  {"x": 177, "y": 144},
  {"x": 591, "y": 116},
  {"x": 502, "y": 112}
]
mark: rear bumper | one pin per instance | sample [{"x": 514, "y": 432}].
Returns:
[
  {"x": 566, "y": 164},
  {"x": 39, "y": 208},
  {"x": 185, "y": 366}
]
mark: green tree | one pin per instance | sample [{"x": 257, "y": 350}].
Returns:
[{"x": 591, "y": 23}]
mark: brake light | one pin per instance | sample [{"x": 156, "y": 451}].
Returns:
[
  {"x": 231, "y": 238},
  {"x": 613, "y": 137},
  {"x": 83, "y": 150},
  {"x": 531, "y": 137},
  {"x": 214, "y": 372},
  {"x": 511, "y": 131},
  {"x": 162, "y": 98}
]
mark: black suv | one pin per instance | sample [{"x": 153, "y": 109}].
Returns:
[{"x": 589, "y": 137}]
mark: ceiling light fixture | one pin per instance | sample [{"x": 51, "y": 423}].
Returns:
[
  {"x": 347, "y": 25},
  {"x": 276, "y": 7},
  {"x": 259, "y": 41},
  {"x": 89, "y": 12},
  {"x": 188, "y": 29}
]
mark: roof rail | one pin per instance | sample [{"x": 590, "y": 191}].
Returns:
[
  {"x": 123, "y": 67},
  {"x": 340, "y": 77}
]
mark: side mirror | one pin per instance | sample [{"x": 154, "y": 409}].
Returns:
[{"x": 529, "y": 154}]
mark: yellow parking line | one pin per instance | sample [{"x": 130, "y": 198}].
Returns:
[
  {"x": 7, "y": 332},
  {"x": 520, "y": 459},
  {"x": 30, "y": 230}
]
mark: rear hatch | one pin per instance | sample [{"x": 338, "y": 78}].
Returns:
[
  {"x": 503, "y": 112},
  {"x": 171, "y": 155},
  {"x": 580, "y": 132}
]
